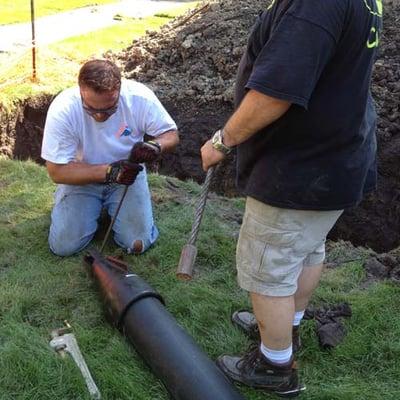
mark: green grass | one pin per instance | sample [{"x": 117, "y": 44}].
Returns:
[
  {"x": 38, "y": 291},
  {"x": 20, "y": 10},
  {"x": 114, "y": 38},
  {"x": 57, "y": 65}
]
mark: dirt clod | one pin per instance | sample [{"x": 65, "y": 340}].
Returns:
[{"x": 376, "y": 269}]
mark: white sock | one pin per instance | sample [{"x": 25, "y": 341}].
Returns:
[
  {"x": 298, "y": 316},
  {"x": 277, "y": 356}
]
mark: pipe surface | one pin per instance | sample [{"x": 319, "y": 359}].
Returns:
[{"x": 172, "y": 354}]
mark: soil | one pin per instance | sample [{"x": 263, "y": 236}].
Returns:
[
  {"x": 191, "y": 65},
  {"x": 21, "y": 128}
]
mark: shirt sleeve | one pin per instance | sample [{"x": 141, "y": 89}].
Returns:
[
  {"x": 60, "y": 144},
  {"x": 157, "y": 119},
  {"x": 291, "y": 62}
]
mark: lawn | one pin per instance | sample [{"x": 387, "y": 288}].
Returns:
[
  {"x": 38, "y": 291},
  {"x": 20, "y": 10},
  {"x": 57, "y": 65}
]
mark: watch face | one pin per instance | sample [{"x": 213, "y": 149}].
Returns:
[
  {"x": 216, "y": 137},
  {"x": 217, "y": 143}
]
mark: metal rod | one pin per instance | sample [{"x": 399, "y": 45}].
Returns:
[
  {"x": 113, "y": 219},
  {"x": 33, "y": 41}
]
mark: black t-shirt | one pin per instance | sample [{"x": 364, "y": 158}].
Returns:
[{"x": 321, "y": 154}]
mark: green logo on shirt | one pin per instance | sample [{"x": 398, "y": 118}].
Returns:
[
  {"x": 376, "y": 9},
  {"x": 271, "y": 4}
]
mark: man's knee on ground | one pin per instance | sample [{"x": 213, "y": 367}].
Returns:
[{"x": 66, "y": 248}]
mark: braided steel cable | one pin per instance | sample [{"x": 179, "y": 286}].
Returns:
[{"x": 200, "y": 206}]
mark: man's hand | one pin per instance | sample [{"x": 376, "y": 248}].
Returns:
[
  {"x": 123, "y": 172},
  {"x": 143, "y": 152},
  {"x": 210, "y": 156}
]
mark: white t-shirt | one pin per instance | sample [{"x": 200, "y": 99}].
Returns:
[{"x": 70, "y": 134}]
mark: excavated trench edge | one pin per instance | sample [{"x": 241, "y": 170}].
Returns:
[{"x": 21, "y": 135}]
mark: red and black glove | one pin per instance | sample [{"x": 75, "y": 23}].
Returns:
[
  {"x": 123, "y": 172},
  {"x": 143, "y": 152}
]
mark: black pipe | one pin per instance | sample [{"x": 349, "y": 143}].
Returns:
[{"x": 139, "y": 312}]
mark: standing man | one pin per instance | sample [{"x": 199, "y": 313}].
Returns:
[
  {"x": 89, "y": 133},
  {"x": 304, "y": 128}
]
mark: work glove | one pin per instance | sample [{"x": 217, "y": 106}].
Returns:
[
  {"x": 143, "y": 152},
  {"x": 123, "y": 172}
]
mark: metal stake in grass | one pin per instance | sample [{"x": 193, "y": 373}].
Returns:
[
  {"x": 189, "y": 251},
  {"x": 113, "y": 219}
]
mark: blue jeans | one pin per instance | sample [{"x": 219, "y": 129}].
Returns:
[{"x": 74, "y": 219}]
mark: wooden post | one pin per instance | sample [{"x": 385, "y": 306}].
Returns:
[{"x": 33, "y": 41}]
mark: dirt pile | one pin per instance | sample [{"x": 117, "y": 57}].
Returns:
[
  {"x": 191, "y": 65},
  {"x": 194, "y": 58}
]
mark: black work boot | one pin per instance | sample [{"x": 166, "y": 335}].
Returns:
[
  {"x": 254, "y": 370},
  {"x": 247, "y": 322}
]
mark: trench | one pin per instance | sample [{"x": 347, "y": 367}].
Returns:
[{"x": 375, "y": 223}]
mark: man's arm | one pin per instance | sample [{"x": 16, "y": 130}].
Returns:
[
  {"x": 168, "y": 141},
  {"x": 255, "y": 112},
  {"x": 77, "y": 173}
]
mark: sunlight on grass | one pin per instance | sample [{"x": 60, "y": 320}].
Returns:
[
  {"x": 20, "y": 10},
  {"x": 114, "y": 38},
  {"x": 57, "y": 65}
]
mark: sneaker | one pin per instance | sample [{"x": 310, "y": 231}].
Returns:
[
  {"x": 247, "y": 322},
  {"x": 254, "y": 370}
]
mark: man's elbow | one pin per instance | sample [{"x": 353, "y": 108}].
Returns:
[
  {"x": 175, "y": 141},
  {"x": 169, "y": 141},
  {"x": 54, "y": 172}
]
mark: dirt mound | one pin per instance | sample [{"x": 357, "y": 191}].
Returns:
[
  {"x": 191, "y": 65},
  {"x": 195, "y": 57}
]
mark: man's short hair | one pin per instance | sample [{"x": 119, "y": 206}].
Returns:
[{"x": 100, "y": 75}]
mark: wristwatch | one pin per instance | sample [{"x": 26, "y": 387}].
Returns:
[{"x": 218, "y": 144}]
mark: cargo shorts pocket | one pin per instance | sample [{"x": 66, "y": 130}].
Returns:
[{"x": 265, "y": 251}]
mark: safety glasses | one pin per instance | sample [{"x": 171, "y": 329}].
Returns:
[{"x": 105, "y": 111}]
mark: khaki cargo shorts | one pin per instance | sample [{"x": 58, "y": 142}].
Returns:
[{"x": 276, "y": 243}]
